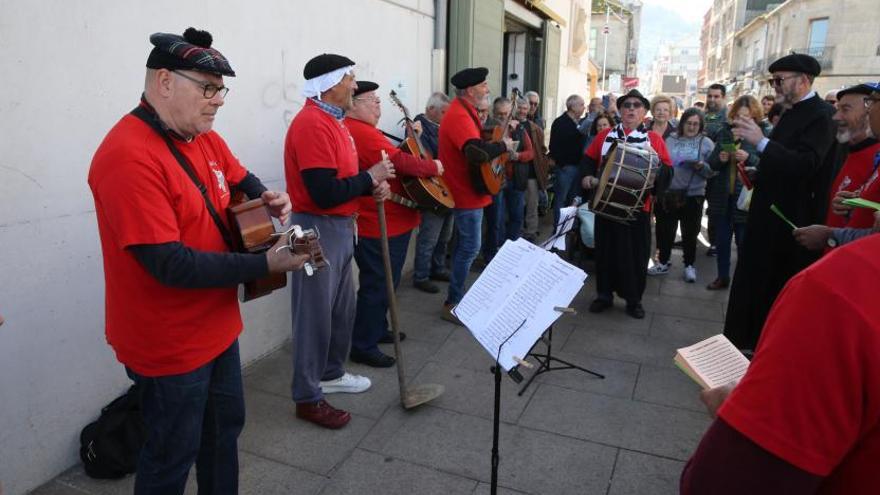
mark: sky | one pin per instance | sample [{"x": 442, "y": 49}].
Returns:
[{"x": 669, "y": 20}]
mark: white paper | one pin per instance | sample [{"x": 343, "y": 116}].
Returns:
[
  {"x": 716, "y": 360},
  {"x": 566, "y": 223},
  {"x": 523, "y": 283}
]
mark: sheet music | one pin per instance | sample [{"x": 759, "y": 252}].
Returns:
[
  {"x": 566, "y": 223},
  {"x": 715, "y": 360},
  {"x": 522, "y": 283}
]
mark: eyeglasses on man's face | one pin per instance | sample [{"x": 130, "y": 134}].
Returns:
[
  {"x": 208, "y": 90},
  {"x": 632, "y": 104},
  {"x": 778, "y": 80}
]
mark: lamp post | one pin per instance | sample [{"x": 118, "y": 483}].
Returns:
[{"x": 605, "y": 31}]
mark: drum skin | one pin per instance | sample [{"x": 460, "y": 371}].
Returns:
[{"x": 627, "y": 178}]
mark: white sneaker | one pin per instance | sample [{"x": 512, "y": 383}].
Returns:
[
  {"x": 346, "y": 384},
  {"x": 690, "y": 274},
  {"x": 659, "y": 269}
]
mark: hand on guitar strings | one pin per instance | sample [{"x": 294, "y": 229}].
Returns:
[
  {"x": 508, "y": 143},
  {"x": 439, "y": 167},
  {"x": 281, "y": 257},
  {"x": 417, "y": 127},
  {"x": 278, "y": 204}
]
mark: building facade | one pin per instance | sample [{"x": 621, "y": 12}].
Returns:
[
  {"x": 722, "y": 22},
  {"x": 614, "y": 41},
  {"x": 675, "y": 70}
]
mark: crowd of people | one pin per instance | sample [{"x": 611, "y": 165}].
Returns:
[{"x": 173, "y": 318}]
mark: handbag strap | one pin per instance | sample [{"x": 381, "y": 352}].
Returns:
[{"x": 152, "y": 120}]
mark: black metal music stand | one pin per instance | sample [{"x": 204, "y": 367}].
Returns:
[
  {"x": 546, "y": 360},
  {"x": 496, "y": 418}
]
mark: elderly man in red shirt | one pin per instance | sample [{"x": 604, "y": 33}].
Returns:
[
  {"x": 461, "y": 148},
  {"x": 370, "y": 322}
]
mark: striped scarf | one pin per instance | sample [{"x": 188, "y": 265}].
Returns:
[{"x": 638, "y": 137}]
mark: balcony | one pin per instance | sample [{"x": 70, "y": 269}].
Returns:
[{"x": 823, "y": 54}]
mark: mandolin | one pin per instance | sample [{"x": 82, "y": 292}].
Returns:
[
  {"x": 426, "y": 192},
  {"x": 254, "y": 232}
]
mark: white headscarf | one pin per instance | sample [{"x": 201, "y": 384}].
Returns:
[{"x": 317, "y": 85}]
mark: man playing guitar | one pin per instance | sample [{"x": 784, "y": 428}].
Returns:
[{"x": 370, "y": 323}]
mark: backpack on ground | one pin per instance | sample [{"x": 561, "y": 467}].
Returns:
[{"x": 109, "y": 447}]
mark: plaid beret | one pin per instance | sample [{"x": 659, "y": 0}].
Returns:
[{"x": 192, "y": 51}]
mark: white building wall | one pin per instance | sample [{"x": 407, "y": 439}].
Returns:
[
  {"x": 71, "y": 69},
  {"x": 573, "y": 78}
]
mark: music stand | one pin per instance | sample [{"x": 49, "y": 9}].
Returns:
[{"x": 545, "y": 363}]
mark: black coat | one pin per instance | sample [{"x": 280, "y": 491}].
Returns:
[{"x": 794, "y": 173}]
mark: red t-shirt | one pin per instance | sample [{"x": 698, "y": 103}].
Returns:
[
  {"x": 143, "y": 196},
  {"x": 594, "y": 151},
  {"x": 457, "y": 128},
  {"x": 316, "y": 139},
  {"x": 863, "y": 218},
  {"x": 370, "y": 143},
  {"x": 856, "y": 170},
  {"x": 812, "y": 393}
]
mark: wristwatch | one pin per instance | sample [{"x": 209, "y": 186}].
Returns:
[{"x": 831, "y": 241}]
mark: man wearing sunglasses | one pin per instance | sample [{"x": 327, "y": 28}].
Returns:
[
  {"x": 172, "y": 315},
  {"x": 794, "y": 173}
]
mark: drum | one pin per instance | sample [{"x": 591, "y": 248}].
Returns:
[{"x": 627, "y": 179}]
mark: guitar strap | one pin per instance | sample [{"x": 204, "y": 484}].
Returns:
[{"x": 152, "y": 120}]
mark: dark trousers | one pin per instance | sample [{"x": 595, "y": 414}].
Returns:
[
  {"x": 493, "y": 219},
  {"x": 515, "y": 206},
  {"x": 370, "y": 321},
  {"x": 622, "y": 252},
  {"x": 192, "y": 417},
  {"x": 726, "y": 229},
  {"x": 668, "y": 220}
]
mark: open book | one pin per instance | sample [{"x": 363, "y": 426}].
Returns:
[{"x": 712, "y": 362}]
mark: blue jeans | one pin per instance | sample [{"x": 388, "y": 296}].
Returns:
[
  {"x": 725, "y": 229},
  {"x": 494, "y": 226},
  {"x": 435, "y": 231},
  {"x": 192, "y": 417},
  {"x": 564, "y": 185},
  {"x": 514, "y": 203},
  {"x": 370, "y": 322},
  {"x": 468, "y": 224}
]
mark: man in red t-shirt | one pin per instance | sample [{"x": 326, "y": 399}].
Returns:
[
  {"x": 325, "y": 185},
  {"x": 623, "y": 249},
  {"x": 171, "y": 311},
  {"x": 805, "y": 418},
  {"x": 461, "y": 149},
  {"x": 370, "y": 322}
]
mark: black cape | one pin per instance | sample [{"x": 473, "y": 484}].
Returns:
[{"x": 794, "y": 173}]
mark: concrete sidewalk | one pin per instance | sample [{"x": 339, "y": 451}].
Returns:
[{"x": 570, "y": 433}]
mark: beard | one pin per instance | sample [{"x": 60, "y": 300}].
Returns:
[{"x": 843, "y": 135}]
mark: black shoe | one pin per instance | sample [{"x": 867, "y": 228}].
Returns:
[
  {"x": 426, "y": 286},
  {"x": 636, "y": 311},
  {"x": 388, "y": 338},
  {"x": 440, "y": 276},
  {"x": 375, "y": 360},
  {"x": 599, "y": 305}
]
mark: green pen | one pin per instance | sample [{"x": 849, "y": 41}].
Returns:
[{"x": 778, "y": 213}]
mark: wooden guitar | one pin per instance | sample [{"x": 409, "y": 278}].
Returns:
[
  {"x": 253, "y": 232},
  {"x": 427, "y": 192},
  {"x": 489, "y": 176}
]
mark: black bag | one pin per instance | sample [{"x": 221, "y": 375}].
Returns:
[{"x": 109, "y": 447}]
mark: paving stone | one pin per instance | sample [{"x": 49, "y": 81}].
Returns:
[
  {"x": 623, "y": 346},
  {"x": 685, "y": 331},
  {"x": 650, "y": 428},
  {"x": 467, "y": 391},
  {"x": 55, "y": 487},
  {"x": 75, "y": 481},
  {"x": 368, "y": 472},
  {"x": 486, "y": 489},
  {"x": 638, "y": 474},
  {"x": 461, "y": 350},
  {"x": 677, "y": 287},
  {"x": 272, "y": 431},
  {"x": 668, "y": 386},
  {"x": 531, "y": 461},
  {"x": 611, "y": 319},
  {"x": 682, "y": 306},
  {"x": 423, "y": 322},
  {"x": 619, "y": 381}
]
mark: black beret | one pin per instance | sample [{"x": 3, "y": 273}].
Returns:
[
  {"x": 858, "y": 89},
  {"x": 192, "y": 51},
  {"x": 633, "y": 93},
  {"x": 324, "y": 63},
  {"x": 365, "y": 87},
  {"x": 797, "y": 62},
  {"x": 466, "y": 78}
]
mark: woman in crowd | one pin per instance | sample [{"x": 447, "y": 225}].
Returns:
[
  {"x": 730, "y": 221},
  {"x": 661, "y": 116},
  {"x": 600, "y": 123},
  {"x": 682, "y": 203}
]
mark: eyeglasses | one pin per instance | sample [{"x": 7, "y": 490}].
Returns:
[
  {"x": 632, "y": 104},
  {"x": 869, "y": 102},
  {"x": 776, "y": 81},
  {"x": 533, "y": 103},
  {"x": 208, "y": 90}
]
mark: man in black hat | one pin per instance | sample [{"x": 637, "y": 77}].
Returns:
[
  {"x": 794, "y": 173},
  {"x": 623, "y": 249},
  {"x": 172, "y": 315},
  {"x": 325, "y": 184},
  {"x": 461, "y": 149},
  {"x": 401, "y": 217}
]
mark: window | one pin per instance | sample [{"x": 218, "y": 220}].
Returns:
[
  {"x": 818, "y": 33},
  {"x": 594, "y": 40}
]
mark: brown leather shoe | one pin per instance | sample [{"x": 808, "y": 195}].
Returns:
[
  {"x": 323, "y": 414},
  {"x": 718, "y": 284},
  {"x": 448, "y": 316}
]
